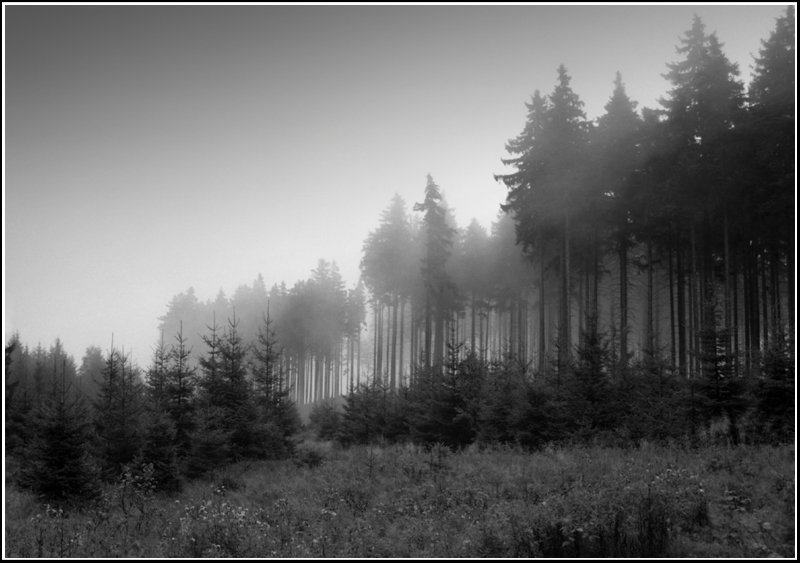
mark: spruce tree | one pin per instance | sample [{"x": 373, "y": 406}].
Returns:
[
  {"x": 57, "y": 464},
  {"x": 118, "y": 414},
  {"x": 439, "y": 290},
  {"x": 180, "y": 392}
]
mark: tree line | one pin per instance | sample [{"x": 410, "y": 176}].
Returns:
[
  {"x": 630, "y": 226},
  {"x": 70, "y": 428},
  {"x": 656, "y": 246}
]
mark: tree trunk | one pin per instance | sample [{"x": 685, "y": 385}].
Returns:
[
  {"x": 671, "y": 303},
  {"x": 428, "y": 333},
  {"x": 393, "y": 376},
  {"x": 727, "y": 266},
  {"x": 623, "y": 304},
  {"x": 790, "y": 292},
  {"x": 693, "y": 313},
  {"x": 379, "y": 366},
  {"x": 402, "y": 339},
  {"x": 681, "y": 308},
  {"x": 649, "y": 344},
  {"x": 737, "y": 368},
  {"x": 564, "y": 304},
  {"x": 764, "y": 306}
]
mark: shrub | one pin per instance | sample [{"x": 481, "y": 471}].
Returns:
[{"x": 325, "y": 420}]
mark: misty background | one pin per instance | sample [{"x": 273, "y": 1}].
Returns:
[{"x": 153, "y": 148}]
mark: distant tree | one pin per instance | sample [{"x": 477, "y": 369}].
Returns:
[
  {"x": 386, "y": 268},
  {"x": 472, "y": 267},
  {"x": 156, "y": 376},
  {"x": 438, "y": 237},
  {"x": 511, "y": 284},
  {"x": 355, "y": 315},
  {"x": 185, "y": 313},
  {"x": 90, "y": 372}
]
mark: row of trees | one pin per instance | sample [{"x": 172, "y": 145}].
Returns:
[
  {"x": 631, "y": 227},
  {"x": 650, "y": 291},
  {"x": 627, "y": 226},
  {"x": 665, "y": 192},
  {"x": 475, "y": 401},
  {"x": 317, "y": 324},
  {"x": 70, "y": 428}
]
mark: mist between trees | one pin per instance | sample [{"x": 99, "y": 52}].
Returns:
[{"x": 639, "y": 282}]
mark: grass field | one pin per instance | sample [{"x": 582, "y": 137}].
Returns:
[{"x": 406, "y": 502}]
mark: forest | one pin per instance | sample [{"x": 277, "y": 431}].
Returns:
[{"x": 636, "y": 287}]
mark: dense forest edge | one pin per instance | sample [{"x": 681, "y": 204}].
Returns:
[{"x": 636, "y": 294}]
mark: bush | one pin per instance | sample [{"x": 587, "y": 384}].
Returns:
[
  {"x": 325, "y": 420},
  {"x": 308, "y": 455}
]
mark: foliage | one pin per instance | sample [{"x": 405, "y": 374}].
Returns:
[{"x": 325, "y": 420}]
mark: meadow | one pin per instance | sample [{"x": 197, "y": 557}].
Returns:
[{"x": 405, "y": 501}]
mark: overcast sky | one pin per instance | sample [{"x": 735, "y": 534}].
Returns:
[{"x": 153, "y": 148}]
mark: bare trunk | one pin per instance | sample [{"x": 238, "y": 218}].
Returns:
[
  {"x": 402, "y": 339},
  {"x": 681, "y": 308},
  {"x": 541, "y": 308},
  {"x": 623, "y": 304},
  {"x": 564, "y": 320},
  {"x": 671, "y": 304},
  {"x": 393, "y": 375},
  {"x": 649, "y": 342},
  {"x": 764, "y": 306}
]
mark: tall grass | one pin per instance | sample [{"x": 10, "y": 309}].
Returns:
[{"x": 404, "y": 501}]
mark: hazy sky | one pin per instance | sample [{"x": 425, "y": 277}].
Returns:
[{"x": 153, "y": 148}]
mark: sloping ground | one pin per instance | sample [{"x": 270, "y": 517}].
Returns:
[{"x": 406, "y": 502}]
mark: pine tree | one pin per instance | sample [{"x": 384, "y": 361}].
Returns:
[
  {"x": 770, "y": 193},
  {"x": 118, "y": 414},
  {"x": 530, "y": 199},
  {"x": 180, "y": 392},
  {"x": 18, "y": 403},
  {"x": 566, "y": 137},
  {"x": 545, "y": 191},
  {"x": 57, "y": 464},
  {"x": 159, "y": 449},
  {"x": 438, "y": 237},
  {"x": 278, "y": 419},
  {"x": 615, "y": 143},
  {"x": 387, "y": 272},
  {"x": 156, "y": 376},
  {"x": 235, "y": 399}
]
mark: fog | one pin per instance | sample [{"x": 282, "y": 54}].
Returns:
[{"x": 149, "y": 150}]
